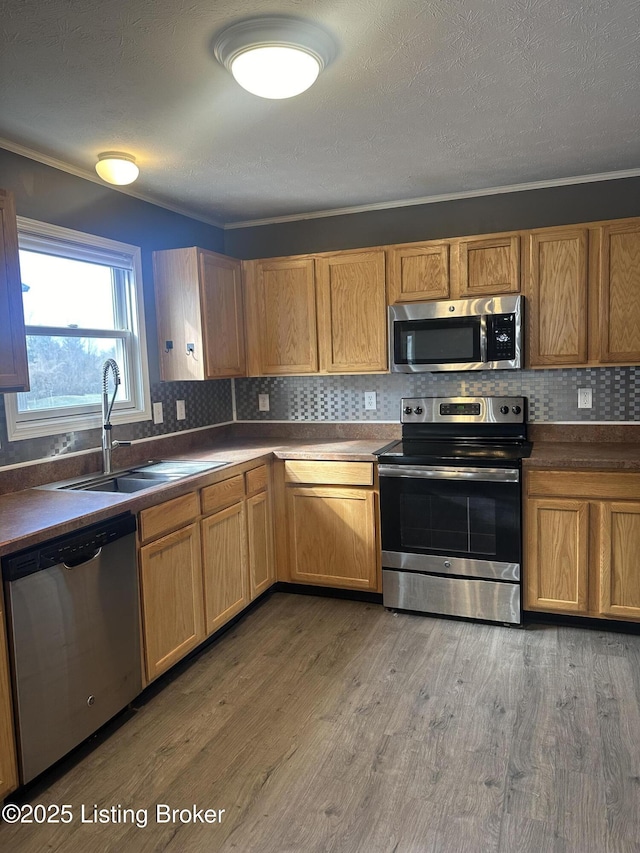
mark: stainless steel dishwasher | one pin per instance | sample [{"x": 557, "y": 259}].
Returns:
[{"x": 74, "y": 637}]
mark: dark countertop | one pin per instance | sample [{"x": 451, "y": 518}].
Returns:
[
  {"x": 33, "y": 515},
  {"x": 604, "y": 456}
]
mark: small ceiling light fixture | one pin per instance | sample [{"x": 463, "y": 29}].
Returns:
[
  {"x": 274, "y": 57},
  {"x": 114, "y": 167}
]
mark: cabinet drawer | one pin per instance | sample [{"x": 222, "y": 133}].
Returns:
[
  {"x": 329, "y": 473},
  {"x": 257, "y": 479},
  {"x": 168, "y": 516},
  {"x": 597, "y": 485},
  {"x": 222, "y": 494}
]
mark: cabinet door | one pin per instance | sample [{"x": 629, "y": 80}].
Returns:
[
  {"x": 14, "y": 373},
  {"x": 417, "y": 272},
  {"x": 8, "y": 769},
  {"x": 222, "y": 315},
  {"x": 177, "y": 292},
  {"x": 352, "y": 312},
  {"x": 332, "y": 536},
  {"x": 261, "y": 566},
  {"x": 619, "y": 551},
  {"x": 224, "y": 557},
  {"x": 172, "y": 606},
  {"x": 557, "y": 293},
  {"x": 281, "y": 316},
  {"x": 557, "y": 554},
  {"x": 619, "y": 293},
  {"x": 489, "y": 266}
]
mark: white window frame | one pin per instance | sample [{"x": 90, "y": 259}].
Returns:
[{"x": 35, "y": 236}]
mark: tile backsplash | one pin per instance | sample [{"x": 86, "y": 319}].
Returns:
[
  {"x": 552, "y": 394},
  {"x": 206, "y": 404}
]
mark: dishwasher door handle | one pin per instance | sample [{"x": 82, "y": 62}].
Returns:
[{"x": 84, "y": 561}]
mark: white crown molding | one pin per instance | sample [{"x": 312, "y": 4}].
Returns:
[
  {"x": 433, "y": 199},
  {"x": 88, "y": 175}
]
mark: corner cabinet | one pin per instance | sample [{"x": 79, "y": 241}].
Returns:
[
  {"x": 280, "y": 297},
  {"x": 331, "y": 512},
  {"x": 14, "y": 372},
  {"x": 582, "y": 540},
  {"x": 200, "y": 314},
  {"x": 8, "y": 767},
  {"x": 316, "y": 314}
]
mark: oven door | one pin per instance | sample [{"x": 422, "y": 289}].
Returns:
[{"x": 451, "y": 520}]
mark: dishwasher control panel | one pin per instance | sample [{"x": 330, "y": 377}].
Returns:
[{"x": 72, "y": 548}]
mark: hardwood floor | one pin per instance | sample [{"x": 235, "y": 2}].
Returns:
[{"x": 329, "y": 726}]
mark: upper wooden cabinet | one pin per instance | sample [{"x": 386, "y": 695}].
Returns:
[
  {"x": 199, "y": 308},
  {"x": 418, "y": 272},
  {"x": 281, "y": 316},
  {"x": 583, "y": 294},
  {"x": 618, "y": 290},
  {"x": 14, "y": 372},
  {"x": 488, "y": 265},
  {"x": 556, "y": 287},
  {"x": 352, "y": 312},
  {"x": 325, "y": 314}
]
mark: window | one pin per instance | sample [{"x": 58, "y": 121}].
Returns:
[{"x": 82, "y": 299}]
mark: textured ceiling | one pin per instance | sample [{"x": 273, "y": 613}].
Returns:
[{"x": 424, "y": 98}]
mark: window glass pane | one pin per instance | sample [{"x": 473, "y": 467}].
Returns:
[
  {"x": 65, "y": 292},
  {"x": 67, "y": 372}
]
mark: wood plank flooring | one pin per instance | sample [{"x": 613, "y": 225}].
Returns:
[{"x": 329, "y": 726}]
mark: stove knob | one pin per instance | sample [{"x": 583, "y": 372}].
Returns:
[
  {"x": 516, "y": 410},
  {"x": 504, "y": 410},
  {"x": 408, "y": 410},
  {"x": 419, "y": 410}
]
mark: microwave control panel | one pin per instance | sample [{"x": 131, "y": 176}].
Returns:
[{"x": 501, "y": 337}]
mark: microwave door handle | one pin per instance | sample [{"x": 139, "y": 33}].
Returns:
[{"x": 483, "y": 338}]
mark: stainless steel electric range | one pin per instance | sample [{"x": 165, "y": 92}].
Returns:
[{"x": 450, "y": 500}]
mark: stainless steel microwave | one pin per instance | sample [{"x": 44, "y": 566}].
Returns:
[{"x": 466, "y": 334}]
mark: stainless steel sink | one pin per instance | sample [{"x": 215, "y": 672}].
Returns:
[{"x": 137, "y": 479}]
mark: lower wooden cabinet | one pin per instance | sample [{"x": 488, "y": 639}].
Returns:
[
  {"x": 196, "y": 578},
  {"x": 332, "y": 524},
  {"x": 172, "y": 602},
  {"x": 259, "y": 530},
  {"x": 8, "y": 768},
  {"x": 582, "y": 540},
  {"x": 225, "y": 565}
]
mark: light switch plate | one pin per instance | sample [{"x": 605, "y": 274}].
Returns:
[
  {"x": 158, "y": 416},
  {"x": 370, "y": 400},
  {"x": 180, "y": 410},
  {"x": 263, "y": 402}
]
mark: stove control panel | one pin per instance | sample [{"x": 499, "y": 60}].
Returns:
[{"x": 469, "y": 410}]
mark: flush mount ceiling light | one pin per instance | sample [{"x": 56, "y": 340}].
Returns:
[
  {"x": 114, "y": 167},
  {"x": 274, "y": 57}
]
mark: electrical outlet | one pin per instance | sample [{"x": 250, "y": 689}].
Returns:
[
  {"x": 158, "y": 417},
  {"x": 263, "y": 402},
  {"x": 370, "y": 400},
  {"x": 181, "y": 413},
  {"x": 585, "y": 398}
]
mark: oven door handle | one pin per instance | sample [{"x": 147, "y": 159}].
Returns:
[{"x": 425, "y": 472}]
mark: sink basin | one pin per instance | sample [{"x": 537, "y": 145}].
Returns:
[
  {"x": 137, "y": 479},
  {"x": 125, "y": 484}
]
